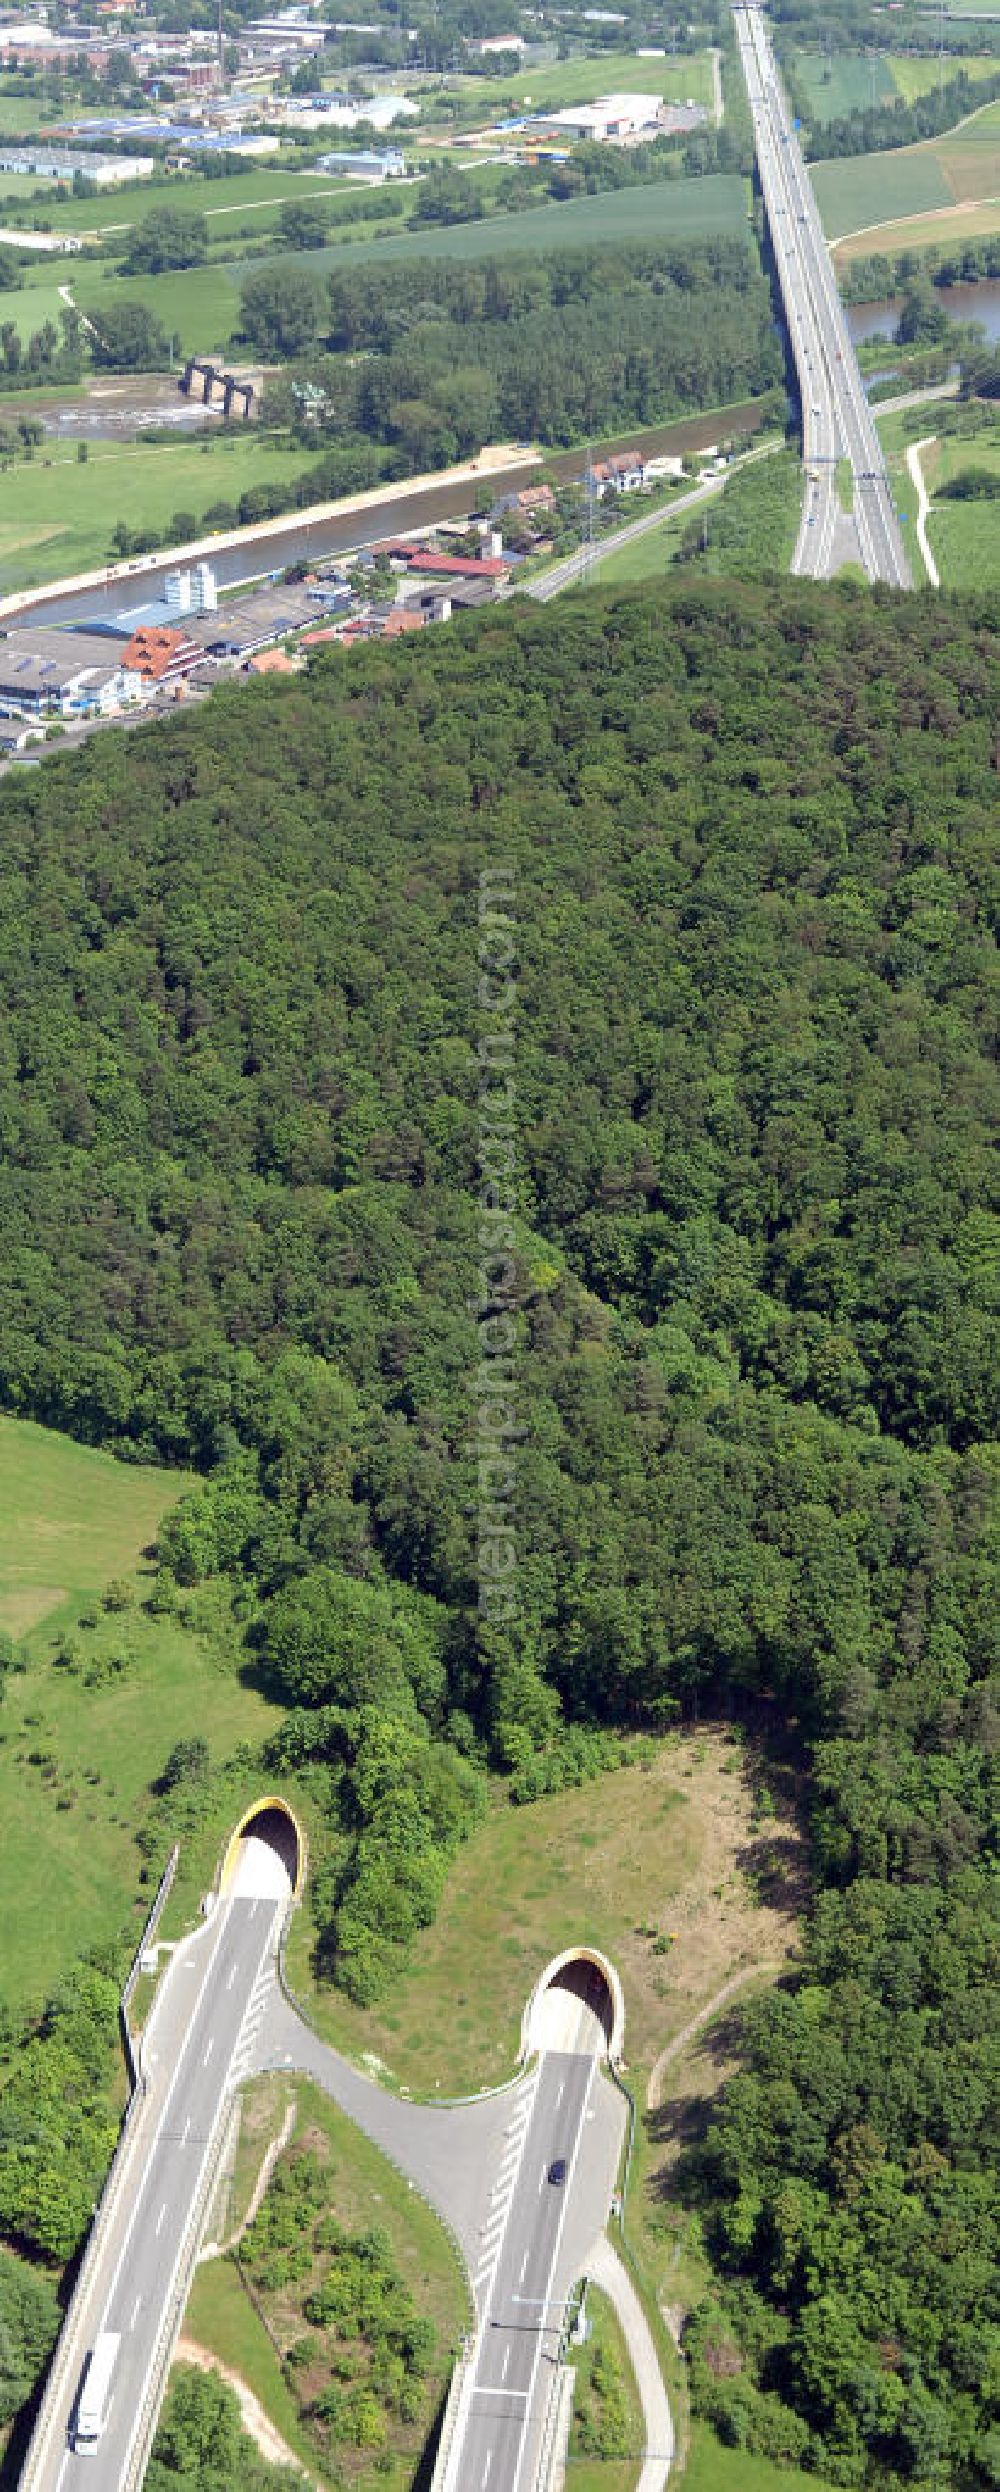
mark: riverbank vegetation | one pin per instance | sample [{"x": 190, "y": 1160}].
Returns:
[{"x": 750, "y": 833}]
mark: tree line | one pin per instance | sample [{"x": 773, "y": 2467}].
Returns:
[{"x": 444, "y": 356}]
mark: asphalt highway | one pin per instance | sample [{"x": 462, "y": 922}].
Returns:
[
  {"x": 520, "y": 2337},
  {"x": 222, "y": 1968},
  {"x": 837, "y": 424}
]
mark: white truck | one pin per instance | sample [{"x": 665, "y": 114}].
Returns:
[{"x": 95, "y": 2393}]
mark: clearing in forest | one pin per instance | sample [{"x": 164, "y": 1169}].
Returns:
[{"x": 675, "y": 1866}]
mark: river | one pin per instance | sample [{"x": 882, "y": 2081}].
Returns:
[
  {"x": 967, "y": 302},
  {"x": 301, "y": 540}
]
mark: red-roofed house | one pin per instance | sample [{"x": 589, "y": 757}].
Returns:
[{"x": 161, "y": 654}]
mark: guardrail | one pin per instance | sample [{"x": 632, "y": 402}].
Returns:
[
  {"x": 72, "y": 2344},
  {"x": 555, "y": 2429},
  {"x": 156, "y": 2382},
  {"x": 149, "y": 1931}
]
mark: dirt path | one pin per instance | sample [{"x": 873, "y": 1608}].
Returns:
[
  {"x": 737, "y": 1981},
  {"x": 255, "y": 2422},
  {"x": 276, "y": 2148},
  {"x": 716, "y": 60},
  {"x": 605, "y": 2268},
  {"x": 923, "y": 504}
]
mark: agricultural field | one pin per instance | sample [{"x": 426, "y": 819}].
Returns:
[
  {"x": 58, "y": 516},
  {"x": 943, "y": 226},
  {"x": 969, "y": 155},
  {"x": 858, "y": 193},
  {"x": 716, "y": 204}
]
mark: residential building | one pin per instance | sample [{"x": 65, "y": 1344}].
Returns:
[
  {"x": 160, "y": 655},
  {"x": 624, "y": 472}
]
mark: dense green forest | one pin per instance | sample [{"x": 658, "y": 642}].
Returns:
[
  {"x": 445, "y": 355},
  {"x": 747, "y": 837}
]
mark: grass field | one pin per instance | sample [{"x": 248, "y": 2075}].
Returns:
[
  {"x": 648, "y": 557},
  {"x": 649, "y": 1853},
  {"x": 76, "y": 1761},
  {"x": 215, "y": 200},
  {"x": 895, "y": 439},
  {"x": 848, "y": 83},
  {"x": 917, "y": 75},
  {"x": 19, "y": 185},
  {"x": 363, "y": 2189},
  {"x": 33, "y": 303},
  {"x": 197, "y": 305},
  {"x": 70, "y": 1519},
  {"x": 20, "y": 114},
  {"x": 60, "y": 518},
  {"x": 711, "y": 2468},
  {"x": 964, "y": 538},
  {"x": 578, "y": 81}
]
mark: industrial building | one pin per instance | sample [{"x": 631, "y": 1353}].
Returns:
[{"x": 46, "y": 672}]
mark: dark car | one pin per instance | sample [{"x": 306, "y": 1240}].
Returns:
[{"x": 557, "y": 2171}]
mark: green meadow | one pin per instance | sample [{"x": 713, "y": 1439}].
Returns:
[
  {"x": 58, "y": 517},
  {"x": 77, "y": 1759}
]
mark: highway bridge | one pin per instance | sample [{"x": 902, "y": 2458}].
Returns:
[{"x": 838, "y": 431}]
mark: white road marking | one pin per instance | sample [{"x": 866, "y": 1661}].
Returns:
[
  {"x": 524, "y": 2267},
  {"x": 136, "y": 2307},
  {"x": 505, "y": 2363},
  {"x": 185, "y": 2129},
  {"x": 232, "y": 1978},
  {"x": 160, "y": 2220},
  {"x": 489, "y": 2462},
  {"x": 553, "y": 2263},
  {"x": 209, "y": 2050}
]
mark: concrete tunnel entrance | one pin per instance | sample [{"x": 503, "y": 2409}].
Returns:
[
  {"x": 266, "y": 1853},
  {"x": 576, "y": 2005}
]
